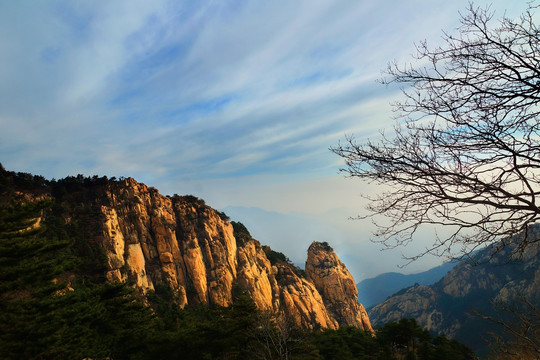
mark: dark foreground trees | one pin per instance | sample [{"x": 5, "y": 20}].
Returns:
[
  {"x": 396, "y": 340},
  {"x": 466, "y": 149},
  {"x": 56, "y": 304},
  {"x": 49, "y": 309},
  {"x": 519, "y": 330}
]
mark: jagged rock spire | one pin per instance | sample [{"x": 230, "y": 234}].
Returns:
[{"x": 336, "y": 286}]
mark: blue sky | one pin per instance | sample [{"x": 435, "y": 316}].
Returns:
[{"x": 236, "y": 102}]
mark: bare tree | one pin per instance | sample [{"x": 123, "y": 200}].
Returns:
[
  {"x": 273, "y": 336},
  {"x": 278, "y": 336},
  {"x": 465, "y": 151},
  {"x": 519, "y": 325}
]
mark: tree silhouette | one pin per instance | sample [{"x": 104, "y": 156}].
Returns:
[{"x": 465, "y": 151}]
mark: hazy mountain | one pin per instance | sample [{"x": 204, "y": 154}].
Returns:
[
  {"x": 472, "y": 286},
  {"x": 375, "y": 290},
  {"x": 292, "y": 233}
]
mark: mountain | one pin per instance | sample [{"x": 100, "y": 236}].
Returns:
[
  {"x": 375, "y": 290},
  {"x": 332, "y": 279},
  {"x": 472, "y": 287},
  {"x": 178, "y": 245}
]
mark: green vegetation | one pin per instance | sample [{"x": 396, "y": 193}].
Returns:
[
  {"x": 275, "y": 256},
  {"x": 56, "y": 304},
  {"x": 50, "y": 307},
  {"x": 241, "y": 233},
  {"x": 191, "y": 199},
  {"x": 326, "y": 246},
  {"x": 395, "y": 340},
  {"x": 243, "y": 332},
  {"x": 223, "y": 216}
]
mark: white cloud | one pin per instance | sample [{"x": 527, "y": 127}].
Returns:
[{"x": 235, "y": 101}]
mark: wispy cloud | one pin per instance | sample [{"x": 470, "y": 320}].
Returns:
[
  {"x": 177, "y": 93},
  {"x": 220, "y": 87}
]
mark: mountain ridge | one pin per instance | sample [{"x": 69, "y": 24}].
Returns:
[
  {"x": 472, "y": 287},
  {"x": 375, "y": 290},
  {"x": 178, "y": 242}
]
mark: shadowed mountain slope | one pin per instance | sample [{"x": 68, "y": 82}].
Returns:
[
  {"x": 472, "y": 286},
  {"x": 375, "y": 290}
]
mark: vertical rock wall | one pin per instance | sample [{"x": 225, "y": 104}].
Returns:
[
  {"x": 151, "y": 240},
  {"x": 336, "y": 286}
]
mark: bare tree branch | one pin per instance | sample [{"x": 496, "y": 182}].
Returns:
[
  {"x": 466, "y": 149},
  {"x": 520, "y": 325}
]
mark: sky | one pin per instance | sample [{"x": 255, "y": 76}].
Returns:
[{"x": 236, "y": 102}]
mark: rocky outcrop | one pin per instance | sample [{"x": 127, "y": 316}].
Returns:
[
  {"x": 279, "y": 288},
  {"x": 418, "y": 302},
  {"x": 336, "y": 285},
  {"x": 155, "y": 241}
]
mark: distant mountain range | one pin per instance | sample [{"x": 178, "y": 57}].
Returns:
[
  {"x": 471, "y": 287},
  {"x": 375, "y": 290}
]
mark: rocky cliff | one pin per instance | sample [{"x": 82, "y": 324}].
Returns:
[
  {"x": 472, "y": 286},
  {"x": 181, "y": 244},
  {"x": 336, "y": 286}
]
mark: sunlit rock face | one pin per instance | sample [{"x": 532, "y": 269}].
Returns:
[
  {"x": 279, "y": 288},
  {"x": 336, "y": 286},
  {"x": 130, "y": 233},
  {"x": 152, "y": 240}
]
